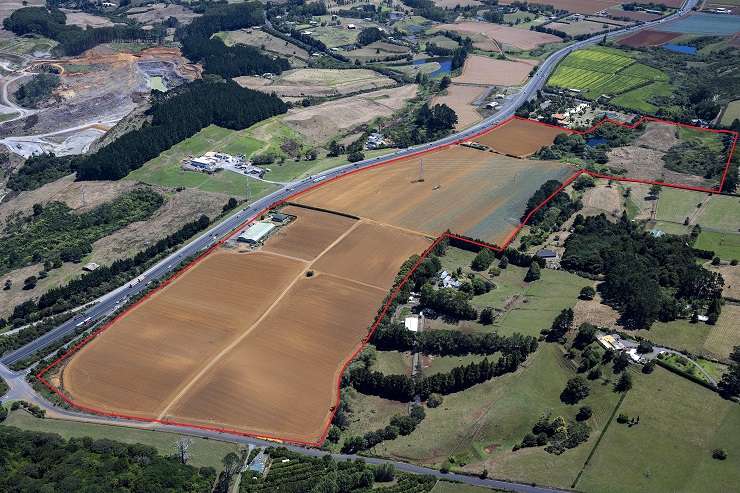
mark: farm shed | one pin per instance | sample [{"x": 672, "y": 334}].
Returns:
[{"x": 256, "y": 232}]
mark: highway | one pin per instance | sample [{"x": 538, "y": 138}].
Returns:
[{"x": 163, "y": 269}]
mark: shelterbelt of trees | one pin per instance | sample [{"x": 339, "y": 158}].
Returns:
[
  {"x": 175, "y": 116},
  {"x": 73, "y": 40},
  {"x": 199, "y": 45}
]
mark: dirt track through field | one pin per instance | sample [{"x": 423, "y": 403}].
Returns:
[{"x": 235, "y": 341}]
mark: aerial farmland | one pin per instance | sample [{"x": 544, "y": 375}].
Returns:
[{"x": 289, "y": 301}]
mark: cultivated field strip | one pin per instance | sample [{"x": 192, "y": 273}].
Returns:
[{"x": 233, "y": 341}]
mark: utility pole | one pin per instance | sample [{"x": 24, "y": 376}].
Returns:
[{"x": 249, "y": 192}]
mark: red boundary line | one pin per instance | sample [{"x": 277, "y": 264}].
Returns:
[{"x": 509, "y": 238}]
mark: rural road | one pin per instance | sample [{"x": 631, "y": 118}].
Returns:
[
  {"x": 110, "y": 302},
  {"x": 163, "y": 269}
]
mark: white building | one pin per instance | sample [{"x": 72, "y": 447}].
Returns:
[
  {"x": 413, "y": 323},
  {"x": 255, "y": 233}
]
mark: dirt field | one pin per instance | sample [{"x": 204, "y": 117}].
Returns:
[
  {"x": 658, "y": 136},
  {"x": 480, "y": 194},
  {"x": 158, "y": 12},
  {"x": 634, "y": 15},
  {"x": 304, "y": 82},
  {"x": 460, "y": 98},
  {"x": 379, "y": 50},
  {"x": 309, "y": 234},
  {"x": 322, "y": 122},
  {"x": 138, "y": 365},
  {"x": 271, "y": 43},
  {"x": 576, "y": 28},
  {"x": 362, "y": 254},
  {"x": 647, "y": 164},
  {"x": 485, "y": 70},
  {"x": 518, "y": 38},
  {"x": 239, "y": 337},
  {"x": 520, "y": 137},
  {"x": 85, "y": 20},
  {"x": 602, "y": 199},
  {"x": 647, "y": 38},
  {"x": 579, "y": 6},
  {"x": 281, "y": 378}
]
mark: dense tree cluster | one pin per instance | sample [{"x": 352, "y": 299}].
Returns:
[
  {"x": 400, "y": 425},
  {"x": 54, "y": 234},
  {"x": 697, "y": 157},
  {"x": 403, "y": 388},
  {"x": 729, "y": 385},
  {"x": 93, "y": 284},
  {"x": 427, "y": 9},
  {"x": 73, "y": 40},
  {"x": 555, "y": 211},
  {"x": 452, "y": 303},
  {"x": 558, "y": 434},
  {"x": 34, "y": 92},
  {"x": 645, "y": 277},
  {"x": 369, "y": 35},
  {"x": 395, "y": 337},
  {"x": 199, "y": 44},
  {"x": 45, "y": 462},
  {"x": 177, "y": 115}
]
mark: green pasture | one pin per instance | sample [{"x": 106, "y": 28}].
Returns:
[
  {"x": 675, "y": 205},
  {"x": 722, "y": 212},
  {"x": 724, "y": 245},
  {"x": 731, "y": 113},
  {"x": 670, "y": 450},
  {"x": 639, "y": 99},
  {"x": 479, "y": 426}
]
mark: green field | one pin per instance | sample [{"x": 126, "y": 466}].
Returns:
[
  {"x": 676, "y": 205},
  {"x": 479, "y": 426},
  {"x": 670, "y": 449},
  {"x": 722, "y": 213},
  {"x": 449, "y": 487},
  {"x": 732, "y": 112},
  {"x": 638, "y": 99},
  {"x": 599, "y": 70},
  {"x": 532, "y": 306},
  {"x": 204, "y": 452},
  {"x": 724, "y": 245},
  {"x": 392, "y": 362}
]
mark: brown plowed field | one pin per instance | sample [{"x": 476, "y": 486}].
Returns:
[
  {"x": 520, "y": 137},
  {"x": 309, "y": 234},
  {"x": 248, "y": 341},
  {"x": 477, "y": 193},
  {"x": 282, "y": 376},
  {"x": 137, "y": 365},
  {"x": 522, "y": 39},
  {"x": 648, "y": 38},
  {"x": 487, "y": 71},
  {"x": 460, "y": 98},
  {"x": 362, "y": 254}
]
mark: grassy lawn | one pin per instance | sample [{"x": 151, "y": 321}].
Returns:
[
  {"x": 725, "y": 245},
  {"x": 204, "y": 452},
  {"x": 638, "y": 99},
  {"x": 444, "y": 364},
  {"x": 545, "y": 298},
  {"x": 165, "y": 169},
  {"x": 479, "y": 426},
  {"x": 714, "y": 341},
  {"x": 393, "y": 362},
  {"x": 682, "y": 363},
  {"x": 721, "y": 212},
  {"x": 676, "y": 205},
  {"x": 291, "y": 170},
  {"x": 449, "y": 487},
  {"x": 671, "y": 228},
  {"x": 731, "y": 113},
  {"x": 533, "y": 306},
  {"x": 670, "y": 449}
]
